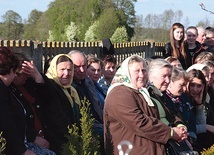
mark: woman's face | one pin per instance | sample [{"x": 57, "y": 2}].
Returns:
[
  {"x": 177, "y": 87},
  {"x": 138, "y": 74},
  {"x": 8, "y": 78},
  {"x": 109, "y": 70},
  {"x": 64, "y": 72},
  {"x": 178, "y": 34},
  {"x": 94, "y": 71},
  {"x": 211, "y": 75},
  {"x": 176, "y": 63},
  {"x": 195, "y": 87},
  {"x": 20, "y": 79},
  {"x": 191, "y": 36},
  {"x": 161, "y": 78}
]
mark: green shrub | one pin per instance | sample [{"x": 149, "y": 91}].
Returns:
[
  {"x": 2, "y": 144},
  {"x": 120, "y": 35},
  {"x": 84, "y": 143},
  {"x": 209, "y": 151}
]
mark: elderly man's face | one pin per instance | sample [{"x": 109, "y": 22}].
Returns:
[
  {"x": 161, "y": 78},
  {"x": 79, "y": 66},
  {"x": 201, "y": 36}
]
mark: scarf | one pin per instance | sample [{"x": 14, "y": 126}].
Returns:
[
  {"x": 122, "y": 77},
  {"x": 176, "y": 101},
  {"x": 69, "y": 91},
  {"x": 172, "y": 97}
]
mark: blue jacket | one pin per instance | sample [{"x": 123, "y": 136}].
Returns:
[{"x": 184, "y": 110}]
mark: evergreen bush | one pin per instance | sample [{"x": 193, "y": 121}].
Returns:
[
  {"x": 209, "y": 151},
  {"x": 2, "y": 144},
  {"x": 81, "y": 141}
]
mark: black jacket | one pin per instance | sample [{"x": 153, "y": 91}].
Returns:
[
  {"x": 205, "y": 140},
  {"x": 184, "y": 62},
  {"x": 183, "y": 109},
  {"x": 58, "y": 114},
  {"x": 32, "y": 109},
  {"x": 12, "y": 121},
  {"x": 195, "y": 52}
]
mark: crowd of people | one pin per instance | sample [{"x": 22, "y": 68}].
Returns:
[{"x": 149, "y": 102}]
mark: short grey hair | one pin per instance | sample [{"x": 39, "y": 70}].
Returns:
[
  {"x": 75, "y": 51},
  {"x": 157, "y": 64}
]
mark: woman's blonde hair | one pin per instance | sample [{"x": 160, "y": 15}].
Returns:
[{"x": 204, "y": 56}]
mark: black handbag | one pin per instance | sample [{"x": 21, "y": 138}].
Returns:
[{"x": 178, "y": 148}]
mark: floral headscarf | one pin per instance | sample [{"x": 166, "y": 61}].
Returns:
[
  {"x": 122, "y": 77},
  {"x": 52, "y": 74}
]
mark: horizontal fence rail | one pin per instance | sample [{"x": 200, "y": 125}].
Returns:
[{"x": 39, "y": 52}]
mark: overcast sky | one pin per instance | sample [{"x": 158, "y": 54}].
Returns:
[{"x": 190, "y": 8}]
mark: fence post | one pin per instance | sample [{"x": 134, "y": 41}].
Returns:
[
  {"x": 99, "y": 49},
  {"x": 148, "y": 51},
  {"x": 37, "y": 55}
]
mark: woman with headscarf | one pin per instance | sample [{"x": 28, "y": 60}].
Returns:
[
  {"x": 129, "y": 113},
  {"x": 61, "y": 100}
]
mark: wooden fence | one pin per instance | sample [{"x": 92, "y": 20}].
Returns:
[{"x": 41, "y": 51}]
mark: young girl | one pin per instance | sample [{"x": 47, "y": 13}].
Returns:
[
  {"x": 197, "y": 91},
  {"x": 210, "y": 87},
  {"x": 194, "y": 47},
  {"x": 176, "y": 47}
]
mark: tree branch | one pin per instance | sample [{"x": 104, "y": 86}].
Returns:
[{"x": 203, "y": 8}]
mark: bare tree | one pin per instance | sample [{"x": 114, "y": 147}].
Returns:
[{"x": 204, "y": 8}]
